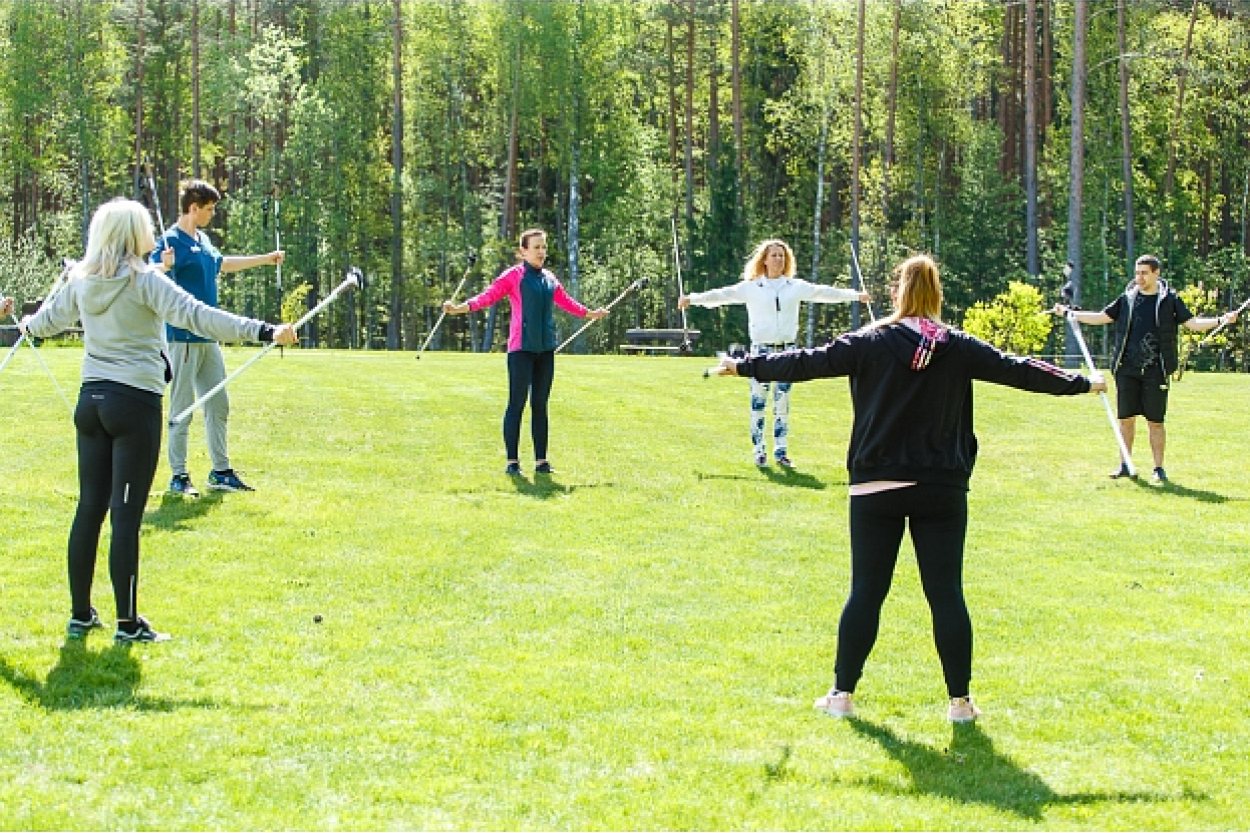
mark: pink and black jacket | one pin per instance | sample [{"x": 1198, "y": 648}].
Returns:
[{"x": 533, "y": 293}]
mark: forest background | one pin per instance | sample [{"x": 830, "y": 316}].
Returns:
[{"x": 1005, "y": 138}]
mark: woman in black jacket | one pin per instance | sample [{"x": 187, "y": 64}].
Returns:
[{"x": 911, "y": 454}]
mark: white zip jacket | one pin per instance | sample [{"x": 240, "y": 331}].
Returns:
[{"x": 773, "y": 304}]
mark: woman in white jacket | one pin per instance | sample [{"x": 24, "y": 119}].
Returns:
[{"x": 772, "y": 295}]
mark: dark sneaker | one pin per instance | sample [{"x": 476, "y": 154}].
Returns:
[
  {"x": 513, "y": 470},
  {"x": 181, "y": 485},
  {"x": 227, "y": 481},
  {"x": 142, "y": 632},
  {"x": 1159, "y": 475},
  {"x": 78, "y": 628},
  {"x": 761, "y": 460},
  {"x": 1122, "y": 471},
  {"x": 544, "y": 468},
  {"x": 785, "y": 462}
]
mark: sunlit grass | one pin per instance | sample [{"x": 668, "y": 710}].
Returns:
[{"x": 632, "y": 643}]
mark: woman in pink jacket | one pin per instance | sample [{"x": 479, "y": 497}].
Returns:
[{"x": 533, "y": 293}]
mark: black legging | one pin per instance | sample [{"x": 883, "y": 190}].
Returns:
[
  {"x": 119, "y": 442},
  {"x": 938, "y": 517},
  {"x": 529, "y": 375}
]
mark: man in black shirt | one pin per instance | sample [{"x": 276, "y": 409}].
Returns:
[{"x": 1144, "y": 356}]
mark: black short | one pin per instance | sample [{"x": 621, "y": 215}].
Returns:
[{"x": 1142, "y": 395}]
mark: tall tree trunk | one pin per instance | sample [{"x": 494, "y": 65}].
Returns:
[
  {"x": 857, "y": 281},
  {"x": 672, "y": 97},
  {"x": 195, "y": 89},
  {"x": 713, "y": 108},
  {"x": 1174, "y": 134},
  {"x": 139, "y": 64},
  {"x": 690, "y": 113},
  {"x": 394, "y": 326},
  {"x": 1076, "y": 176},
  {"x": 816, "y": 215},
  {"x": 887, "y": 152},
  {"x": 508, "y": 230},
  {"x": 736, "y": 35},
  {"x": 1126, "y": 140},
  {"x": 1030, "y": 136},
  {"x": 574, "y": 233}
]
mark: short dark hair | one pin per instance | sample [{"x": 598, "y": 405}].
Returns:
[
  {"x": 1151, "y": 261},
  {"x": 196, "y": 192}
]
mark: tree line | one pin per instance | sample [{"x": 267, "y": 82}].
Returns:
[{"x": 1006, "y": 137}]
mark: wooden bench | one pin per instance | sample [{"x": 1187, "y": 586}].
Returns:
[{"x": 657, "y": 341}]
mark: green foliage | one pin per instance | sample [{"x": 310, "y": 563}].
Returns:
[
  {"x": 296, "y": 98},
  {"x": 1016, "y": 321},
  {"x": 295, "y": 304}
]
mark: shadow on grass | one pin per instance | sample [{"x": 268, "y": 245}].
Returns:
[
  {"x": 86, "y": 679},
  {"x": 176, "y": 510},
  {"x": 782, "y": 477},
  {"x": 972, "y": 771},
  {"x": 1172, "y": 488},
  {"x": 543, "y": 486}
]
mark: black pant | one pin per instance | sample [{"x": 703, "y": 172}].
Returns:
[
  {"x": 938, "y": 516},
  {"x": 119, "y": 442},
  {"x": 529, "y": 376}
]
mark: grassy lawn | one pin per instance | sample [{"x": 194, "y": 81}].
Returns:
[{"x": 634, "y": 642}]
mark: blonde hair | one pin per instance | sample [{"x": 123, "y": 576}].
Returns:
[
  {"x": 917, "y": 291},
  {"x": 120, "y": 235},
  {"x": 755, "y": 267}
]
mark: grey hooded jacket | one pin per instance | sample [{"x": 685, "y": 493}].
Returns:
[{"x": 123, "y": 320}]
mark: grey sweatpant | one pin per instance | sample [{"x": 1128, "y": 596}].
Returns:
[{"x": 197, "y": 367}]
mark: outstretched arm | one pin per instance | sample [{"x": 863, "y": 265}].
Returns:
[
  {"x": 1203, "y": 325},
  {"x": 238, "y": 263}
]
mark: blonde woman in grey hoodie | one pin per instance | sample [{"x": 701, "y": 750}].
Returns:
[{"x": 123, "y": 304}]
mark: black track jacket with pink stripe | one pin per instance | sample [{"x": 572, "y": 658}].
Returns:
[{"x": 913, "y": 395}]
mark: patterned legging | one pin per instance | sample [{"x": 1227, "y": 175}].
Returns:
[{"x": 781, "y": 410}]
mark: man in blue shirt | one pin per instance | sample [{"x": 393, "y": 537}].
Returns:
[{"x": 196, "y": 362}]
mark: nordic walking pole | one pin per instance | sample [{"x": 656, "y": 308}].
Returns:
[
  {"x": 1125, "y": 457},
  {"x": 57, "y": 286},
  {"x": 277, "y": 246},
  {"x": 1223, "y": 324},
  {"x": 443, "y": 314},
  {"x": 638, "y": 284},
  {"x": 156, "y": 199},
  {"x": 860, "y": 272},
  {"x": 685, "y": 330},
  {"x": 354, "y": 280}
]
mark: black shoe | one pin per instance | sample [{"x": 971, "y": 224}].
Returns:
[
  {"x": 227, "y": 481},
  {"x": 1121, "y": 472},
  {"x": 1159, "y": 475},
  {"x": 78, "y": 628},
  {"x": 142, "y": 632},
  {"x": 513, "y": 470},
  {"x": 544, "y": 468}
]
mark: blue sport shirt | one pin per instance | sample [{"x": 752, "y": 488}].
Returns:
[{"x": 196, "y": 265}]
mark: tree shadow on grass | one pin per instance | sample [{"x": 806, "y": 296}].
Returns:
[
  {"x": 971, "y": 771},
  {"x": 1172, "y": 488},
  {"x": 175, "y": 510},
  {"x": 86, "y": 679}
]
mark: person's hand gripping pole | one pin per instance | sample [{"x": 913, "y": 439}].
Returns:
[
  {"x": 638, "y": 284},
  {"x": 467, "y": 269}
]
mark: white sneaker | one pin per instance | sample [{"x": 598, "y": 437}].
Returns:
[
  {"x": 962, "y": 710},
  {"x": 836, "y": 703}
]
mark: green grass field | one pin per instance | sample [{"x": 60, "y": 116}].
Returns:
[{"x": 632, "y": 643}]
